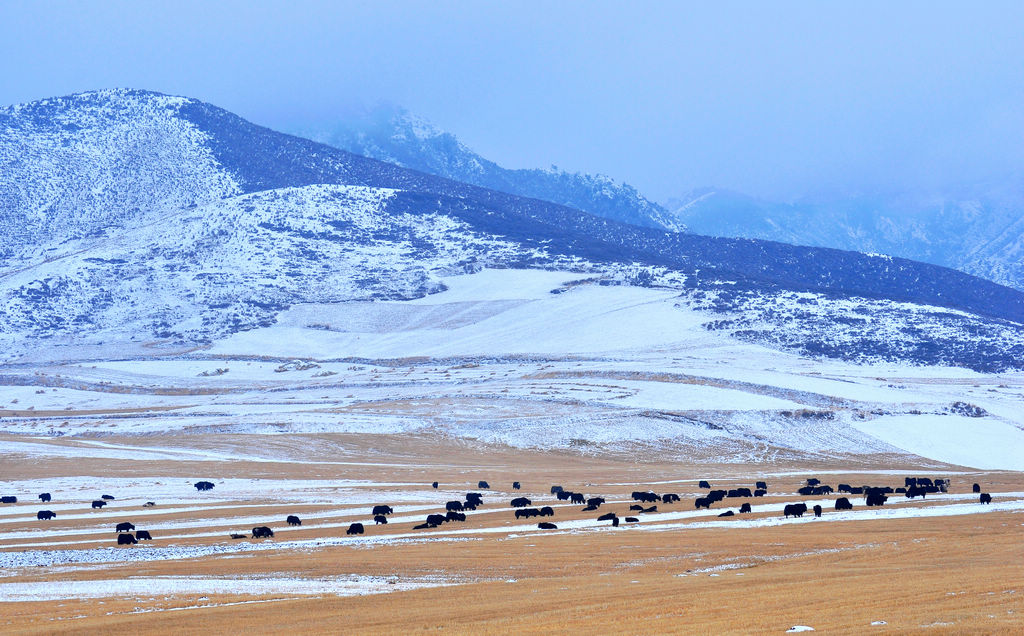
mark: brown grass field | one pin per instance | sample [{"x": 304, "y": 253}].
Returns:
[{"x": 933, "y": 574}]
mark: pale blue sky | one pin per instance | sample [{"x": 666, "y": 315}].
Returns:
[{"x": 776, "y": 99}]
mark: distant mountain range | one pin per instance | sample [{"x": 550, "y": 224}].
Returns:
[
  {"x": 394, "y": 135},
  {"x": 139, "y": 217},
  {"x": 978, "y": 230}
]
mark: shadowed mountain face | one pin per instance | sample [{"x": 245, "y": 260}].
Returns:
[
  {"x": 979, "y": 230},
  {"x": 395, "y": 136},
  {"x": 141, "y": 216}
]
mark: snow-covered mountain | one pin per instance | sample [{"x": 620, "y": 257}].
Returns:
[
  {"x": 394, "y": 135},
  {"x": 144, "y": 218},
  {"x": 979, "y": 230}
]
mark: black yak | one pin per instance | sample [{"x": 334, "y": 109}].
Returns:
[{"x": 797, "y": 509}]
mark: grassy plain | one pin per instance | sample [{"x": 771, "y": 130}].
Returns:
[{"x": 936, "y": 574}]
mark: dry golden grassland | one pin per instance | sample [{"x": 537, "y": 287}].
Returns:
[{"x": 936, "y": 574}]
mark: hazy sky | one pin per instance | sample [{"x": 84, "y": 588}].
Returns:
[{"x": 775, "y": 99}]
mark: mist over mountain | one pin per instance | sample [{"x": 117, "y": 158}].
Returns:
[
  {"x": 144, "y": 220},
  {"x": 394, "y": 135},
  {"x": 977, "y": 229}
]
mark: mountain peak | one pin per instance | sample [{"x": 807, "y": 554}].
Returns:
[{"x": 393, "y": 134}]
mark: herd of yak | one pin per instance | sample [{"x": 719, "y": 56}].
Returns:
[{"x": 455, "y": 511}]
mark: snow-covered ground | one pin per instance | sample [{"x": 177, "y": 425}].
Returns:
[
  {"x": 164, "y": 586},
  {"x": 500, "y": 358},
  {"x": 966, "y": 441}
]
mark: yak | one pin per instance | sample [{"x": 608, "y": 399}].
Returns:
[
  {"x": 521, "y": 502},
  {"x": 143, "y": 535},
  {"x": 379, "y": 519},
  {"x": 985, "y": 498},
  {"x": 745, "y": 508},
  {"x": 125, "y": 526},
  {"x": 126, "y": 539},
  {"x": 355, "y": 528},
  {"x": 875, "y": 499},
  {"x": 547, "y": 525},
  {"x": 292, "y": 520},
  {"x": 44, "y": 497},
  {"x": 843, "y": 504},
  {"x": 916, "y": 491},
  {"x": 382, "y": 510},
  {"x": 646, "y": 497},
  {"x": 45, "y": 515},
  {"x": 262, "y": 532},
  {"x": 797, "y": 509},
  {"x": 99, "y": 503}
]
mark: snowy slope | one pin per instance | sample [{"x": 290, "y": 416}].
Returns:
[
  {"x": 211, "y": 270},
  {"x": 91, "y": 163}
]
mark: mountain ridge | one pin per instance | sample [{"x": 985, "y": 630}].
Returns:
[
  {"x": 394, "y": 135},
  {"x": 288, "y": 220},
  {"x": 979, "y": 231}
]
